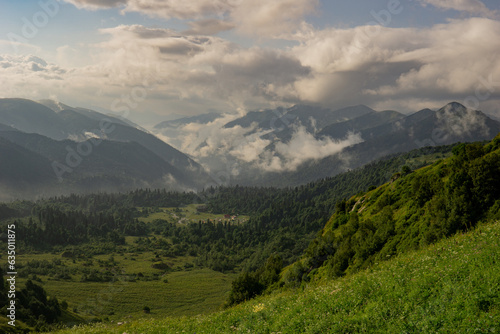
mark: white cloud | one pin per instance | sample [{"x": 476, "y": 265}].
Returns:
[
  {"x": 302, "y": 147},
  {"x": 268, "y": 19},
  {"x": 371, "y": 65},
  {"x": 191, "y": 74},
  {"x": 208, "y": 27},
  {"x": 452, "y": 126},
  {"x": 161, "y": 8},
  {"x": 278, "y": 18},
  {"x": 475, "y": 7},
  {"x": 454, "y": 60}
]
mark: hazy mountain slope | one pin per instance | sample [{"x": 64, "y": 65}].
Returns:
[
  {"x": 358, "y": 124},
  {"x": 80, "y": 124},
  {"x": 282, "y": 121},
  {"x": 21, "y": 167},
  {"x": 200, "y": 119},
  {"x": 32, "y": 117},
  {"x": 100, "y": 157}
]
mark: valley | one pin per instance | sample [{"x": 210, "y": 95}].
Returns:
[
  {"x": 95, "y": 254},
  {"x": 249, "y": 166}
]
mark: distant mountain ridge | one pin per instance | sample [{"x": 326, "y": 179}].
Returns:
[
  {"x": 106, "y": 148},
  {"x": 315, "y": 140},
  {"x": 393, "y": 133},
  {"x": 200, "y": 119}
]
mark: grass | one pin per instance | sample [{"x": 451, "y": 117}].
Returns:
[
  {"x": 183, "y": 291},
  {"x": 185, "y": 214},
  {"x": 186, "y": 293},
  {"x": 450, "y": 287}
]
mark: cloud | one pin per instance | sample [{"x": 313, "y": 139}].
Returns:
[
  {"x": 160, "y": 8},
  {"x": 475, "y": 7},
  {"x": 268, "y": 19},
  {"x": 397, "y": 68},
  {"x": 208, "y": 27},
  {"x": 302, "y": 147},
  {"x": 373, "y": 64},
  {"x": 455, "y": 60},
  {"x": 217, "y": 147},
  {"x": 278, "y": 18}
]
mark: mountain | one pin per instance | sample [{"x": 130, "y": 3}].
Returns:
[
  {"x": 22, "y": 169},
  {"x": 418, "y": 254},
  {"x": 359, "y": 124},
  {"x": 86, "y": 150},
  {"x": 282, "y": 122},
  {"x": 31, "y": 117},
  {"x": 416, "y": 208},
  {"x": 35, "y": 164},
  {"x": 450, "y": 124},
  {"x": 200, "y": 119},
  {"x": 59, "y": 122},
  {"x": 79, "y": 124}
]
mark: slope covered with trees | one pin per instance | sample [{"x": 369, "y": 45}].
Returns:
[{"x": 415, "y": 209}]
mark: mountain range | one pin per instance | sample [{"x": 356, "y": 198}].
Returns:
[
  {"x": 292, "y": 146},
  {"x": 75, "y": 149},
  {"x": 47, "y": 147}
]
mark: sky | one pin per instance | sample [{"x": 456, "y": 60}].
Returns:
[{"x": 152, "y": 60}]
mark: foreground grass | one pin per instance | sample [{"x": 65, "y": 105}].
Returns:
[{"x": 450, "y": 287}]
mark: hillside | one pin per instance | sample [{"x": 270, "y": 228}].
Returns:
[
  {"x": 449, "y": 287},
  {"x": 413, "y": 210}
]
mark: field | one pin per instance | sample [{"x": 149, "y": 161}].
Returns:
[
  {"x": 185, "y": 293},
  {"x": 187, "y": 214},
  {"x": 136, "y": 284},
  {"x": 449, "y": 287},
  {"x": 125, "y": 282}
]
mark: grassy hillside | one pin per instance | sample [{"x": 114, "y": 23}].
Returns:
[
  {"x": 415, "y": 209},
  {"x": 448, "y": 287}
]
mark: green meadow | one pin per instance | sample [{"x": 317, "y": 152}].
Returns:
[
  {"x": 132, "y": 283},
  {"x": 186, "y": 214},
  {"x": 450, "y": 287}
]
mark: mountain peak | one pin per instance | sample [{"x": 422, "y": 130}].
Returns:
[{"x": 453, "y": 107}]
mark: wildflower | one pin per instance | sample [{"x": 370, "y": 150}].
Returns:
[{"x": 258, "y": 308}]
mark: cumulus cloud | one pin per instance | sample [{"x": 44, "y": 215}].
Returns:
[
  {"x": 370, "y": 64},
  {"x": 17, "y": 73},
  {"x": 208, "y": 27},
  {"x": 455, "y": 60},
  {"x": 475, "y": 7},
  {"x": 403, "y": 68},
  {"x": 216, "y": 147},
  {"x": 161, "y": 8},
  {"x": 272, "y": 18},
  {"x": 261, "y": 18}
]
